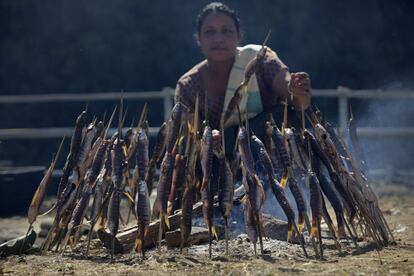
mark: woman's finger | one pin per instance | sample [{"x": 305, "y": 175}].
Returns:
[{"x": 300, "y": 75}]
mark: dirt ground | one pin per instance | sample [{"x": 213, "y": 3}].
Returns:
[{"x": 280, "y": 257}]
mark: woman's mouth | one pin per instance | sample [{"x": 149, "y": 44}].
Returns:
[{"x": 218, "y": 49}]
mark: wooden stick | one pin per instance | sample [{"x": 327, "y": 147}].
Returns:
[{"x": 125, "y": 239}]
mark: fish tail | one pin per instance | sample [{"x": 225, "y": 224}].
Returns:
[
  {"x": 167, "y": 221},
  {"x": 290, "y": 231},
  {"x": 314, "y": 231},
  {"x": 301, "y": 221},
  {"x": 138, "y": 245},
  {"x": 284, "y": 179},
  {"x": 213, "y": 232}
]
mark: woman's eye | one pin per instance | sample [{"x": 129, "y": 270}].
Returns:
[
  {"x": 210, "y": 32},
  {"x": 227, "y": 32}
]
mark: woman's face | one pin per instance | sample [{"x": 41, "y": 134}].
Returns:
[{"x": 218, "y": 37}]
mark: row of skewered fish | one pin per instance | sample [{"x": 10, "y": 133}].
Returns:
[
  {"x": 98, "y": 172},
  {"x": 194, "y": 167}
]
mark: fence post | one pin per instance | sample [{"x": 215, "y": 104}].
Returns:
[
  {"x": 168, "y": 102},
  {"x": 342, "y": 109}
]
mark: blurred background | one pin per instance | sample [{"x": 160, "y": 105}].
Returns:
[{"x": 82, "y": 47}]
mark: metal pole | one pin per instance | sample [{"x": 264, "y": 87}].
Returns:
[
  {"x": 342, "y": 111},
  {"x": 168, "y": 102}
]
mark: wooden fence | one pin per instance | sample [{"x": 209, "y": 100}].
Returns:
[{"x": 166, "y": 96}]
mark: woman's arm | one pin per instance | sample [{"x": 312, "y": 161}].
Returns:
[
  {"x": 284, "y": 85},
  {"x": 293, "y": 86}
]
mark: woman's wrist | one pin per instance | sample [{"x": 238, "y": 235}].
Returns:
[{"x": 302, "y": 101}]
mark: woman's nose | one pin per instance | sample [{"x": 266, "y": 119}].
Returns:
[{"x": 218, "y": 37}]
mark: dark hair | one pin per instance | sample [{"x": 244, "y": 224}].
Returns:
[{"x": 217, "y": 7}]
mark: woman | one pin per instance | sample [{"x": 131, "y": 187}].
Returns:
[{"x": 216, "y": 78}]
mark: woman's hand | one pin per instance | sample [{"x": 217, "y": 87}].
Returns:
[
  {"x": 300, "y": 87},
  {"x": 299, "y": 84}
]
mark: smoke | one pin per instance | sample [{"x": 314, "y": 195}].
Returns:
[
  {"x": 385, "y": 151},
  {"x": 270, "y": 206}
]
